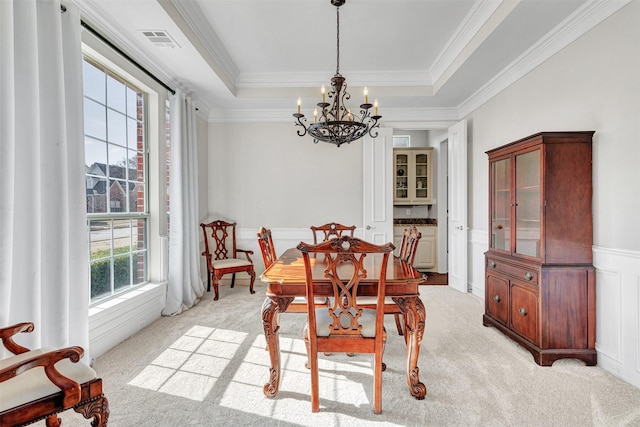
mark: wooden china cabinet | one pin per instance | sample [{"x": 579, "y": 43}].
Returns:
[{"x": 539, "y": 274}]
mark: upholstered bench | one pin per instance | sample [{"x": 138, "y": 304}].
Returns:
[{"x": 39, "y": 384}]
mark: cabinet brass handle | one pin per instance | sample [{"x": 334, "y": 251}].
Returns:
[
  {"x": 492, "y": 264},
  {"x": 522, "y": 311},
  {"x": 528, "y": 276},
  {"x": 496, "y": 298}
]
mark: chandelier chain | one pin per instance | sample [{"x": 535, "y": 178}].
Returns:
[{"x": 337, "y": 40}]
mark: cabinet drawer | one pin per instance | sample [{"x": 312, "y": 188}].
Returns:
[
  {"x": 521, "y": 273},
  {"x": 524, "y": 312},
  {"x": 496, "y": 298}
]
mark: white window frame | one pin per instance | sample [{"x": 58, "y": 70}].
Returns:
[{"x": 113, "y": 320}]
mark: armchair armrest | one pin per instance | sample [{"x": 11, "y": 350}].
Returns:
[
  {"x": 70, "y": 388},
  {"x": 246, "y": 253},
  {"x": 7, "y": 333}
]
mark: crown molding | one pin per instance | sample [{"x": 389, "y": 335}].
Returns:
[
  {"x": 192, "y": 22},
  {"x": 395, "y": 115},
  {"x": 479, "y": 14},
  {"x": 316, "y": 79},
  {"x": 587, "y": 16}
]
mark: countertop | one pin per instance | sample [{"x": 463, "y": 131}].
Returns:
[{"x": 415, "y": 221}]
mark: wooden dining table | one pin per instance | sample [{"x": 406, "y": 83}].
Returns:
[{"x": 286, "y": 280}]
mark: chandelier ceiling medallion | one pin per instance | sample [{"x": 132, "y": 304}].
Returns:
[{"x": 336, "y": 124}]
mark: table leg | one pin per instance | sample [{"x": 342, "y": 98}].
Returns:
[
  {"x": 271, "y": 309},
  {"x": 415, "y": 316}
]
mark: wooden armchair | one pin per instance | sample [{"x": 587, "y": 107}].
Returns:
[
  {"x": 39, "y": 384},
  {"x": 331, "y": 230},
  {"x": 345, "y": 326},
  {"x": 222, "y": 255}
]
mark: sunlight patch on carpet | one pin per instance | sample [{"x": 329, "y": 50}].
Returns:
[
  {"x": 191, "y": 366},
  {"x": 343, "y": 381}
]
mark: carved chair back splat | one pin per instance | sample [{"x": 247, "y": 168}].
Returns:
[{"x": 331, "y": 230}]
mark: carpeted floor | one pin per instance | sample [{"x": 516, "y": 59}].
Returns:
[{"x": 207, "y": 367}]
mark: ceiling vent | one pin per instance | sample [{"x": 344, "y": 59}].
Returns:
[{"x": 160, "y": 38}]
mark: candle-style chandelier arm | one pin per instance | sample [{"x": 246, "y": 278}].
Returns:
[{"x": 299, "y": 118}]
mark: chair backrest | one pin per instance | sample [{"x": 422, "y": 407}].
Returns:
[
  {"x": 331, "y": 230},
  {"x": 342, "y": 260},
  {"x": 409, "y": 245},
  {"x": 266, "y": 247},
  {"x": 220, "y": 239}
]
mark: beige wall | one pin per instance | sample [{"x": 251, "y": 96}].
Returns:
[
  {"x": 265, "y": 174},
  {"x": 593, "y": 84}
]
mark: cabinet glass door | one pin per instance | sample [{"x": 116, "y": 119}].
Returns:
[
  {"x": 421, "y": 176},
  {"x": 501, "y": 204},
  {"x": 527, "y": 170},
  {"x": 401, "y": 176}
]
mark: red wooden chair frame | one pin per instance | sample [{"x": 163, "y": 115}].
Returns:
[
  {"x": 86, "y": 398},
  {"x": 331, "y": 230},
  {"x": 345, "y": 326},
  {"x": 223, "y": 259}
]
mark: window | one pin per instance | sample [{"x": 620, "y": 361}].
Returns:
[
  {"x": 116, "y": 184},
  {"x": 402, "y": 140}
]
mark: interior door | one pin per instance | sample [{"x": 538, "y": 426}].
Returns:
[
  {"x": 377, "y": 193},
  {"x": 457, "y": 188}
]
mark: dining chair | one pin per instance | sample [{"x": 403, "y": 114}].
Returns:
[
  {"x": 268, "y": 251},
  {"x": 406, "y": 253},
  {"x": 409, "y": 245},
  {"x": 223, "y": 256},
  {"x": 330, "y": 230},
  {"x": 344, "y": 326}
]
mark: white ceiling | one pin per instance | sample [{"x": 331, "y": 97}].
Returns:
[{"x": 433, "y": 60}]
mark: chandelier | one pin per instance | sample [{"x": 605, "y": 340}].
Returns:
[{"x": 336, "y": 124}]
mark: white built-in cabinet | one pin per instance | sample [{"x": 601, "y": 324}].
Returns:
[{"x": 426, "y": 254}]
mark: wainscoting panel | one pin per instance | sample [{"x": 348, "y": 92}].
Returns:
[
  {"x": 617, "y": 307},
  {"x": 609, "y": 314}
]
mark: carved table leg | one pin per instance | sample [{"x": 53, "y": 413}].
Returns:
[
  {"x": 271, "y": 309},
  {"x": 98, "y": 409},
  {"x": 415, "y": 316}
]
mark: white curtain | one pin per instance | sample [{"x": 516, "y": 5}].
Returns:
[
  {"x": 185, "y": 285},
  {"x": 43, "y": 236}
]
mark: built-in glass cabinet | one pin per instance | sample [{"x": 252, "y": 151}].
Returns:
[{"x": 412, "y": 176}]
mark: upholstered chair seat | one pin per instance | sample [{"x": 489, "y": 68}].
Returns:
[{"x": 34, "y": 383}]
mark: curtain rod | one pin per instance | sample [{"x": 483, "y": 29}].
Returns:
[{"x": 120, "y": 51}]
